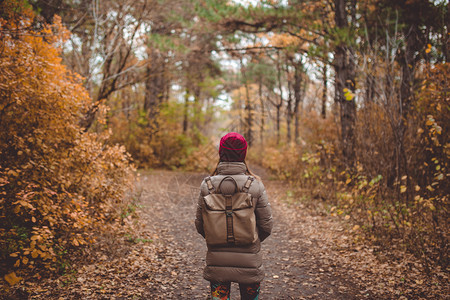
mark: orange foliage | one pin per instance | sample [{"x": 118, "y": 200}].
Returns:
[
  {"x": 56, "y": 182},
  {"x": 287, "y": 40}
]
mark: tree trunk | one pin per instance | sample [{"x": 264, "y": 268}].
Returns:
[
  {"x": 324, "y": 91},
  {"x": 151, "y": 100},
  {"x": 106, "y": 88},
  {"x": 298, "y": 99},
  {"x": 289, "y": 111},
  {"x": 261, "y": 101},
  {"x": 297, "y": 125},
  {"x": 186, "y": 111},
  {"x": 370, "y": 88},
  {"x": 345, "y": 87},
  {"x": 249, "y": 119},
  {"x": 154, "y": 88},
  {"x": 241, "y": 125},
  {"x": 279, "y": 105},
  {"x": 408, "y": 66},
  {"x": 197, "y": 109},
  {"x": 406, "y": 95},
  {"x": 248, "y": 108},
  {"x": 167, "y": 82},
  {"x": 278, "y": 123}
]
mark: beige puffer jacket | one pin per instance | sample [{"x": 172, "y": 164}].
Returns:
[{"x": 242, "y": 264}]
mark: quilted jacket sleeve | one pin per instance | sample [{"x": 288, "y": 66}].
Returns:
[
  {"x": 198, "y": 215},
  {"x": 263, "y": 212}
]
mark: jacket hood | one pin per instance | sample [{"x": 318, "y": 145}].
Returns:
[{"x": 231, "y": 168}]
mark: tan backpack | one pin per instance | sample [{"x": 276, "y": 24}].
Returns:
[{"x": 229, "y": 215}]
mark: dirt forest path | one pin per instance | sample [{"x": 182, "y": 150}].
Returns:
[
  {"x": 297, "y": 267},
  {"x": 308, "y": 255}
]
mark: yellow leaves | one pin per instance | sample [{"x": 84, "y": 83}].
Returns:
[
  {"x": 75, "y": 242},
  {"x": 402, "y": 189},
  {"x": 428, "y": 49},
  {"x": 430, "y": 121},
  {"x": 12, "y": 278},
  {"x": 349, "y": 95},
  {"x": 407, "y": 224}
]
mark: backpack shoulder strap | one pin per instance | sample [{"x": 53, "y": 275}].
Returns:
[
  {"x": 247, "y": 184},
  {"x": 210, "y": 186}
]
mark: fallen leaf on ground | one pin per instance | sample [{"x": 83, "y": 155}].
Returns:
[{"x": 12, "y": 278}]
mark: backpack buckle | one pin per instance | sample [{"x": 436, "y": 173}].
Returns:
[
  {"x": 247, "y": 184},
  {"x": 209, "y": 184}
]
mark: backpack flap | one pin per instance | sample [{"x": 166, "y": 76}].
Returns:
[
  {"x": 214, "y": 202},
  {"x": 242, "y": 200}
]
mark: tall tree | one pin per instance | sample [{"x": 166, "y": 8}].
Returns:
[
  {"x": 299, "y": 91},
  {"x": 344, "y": 66},
  {"x": 323, "y": 111},
  {"x": 248, "y": 105}
]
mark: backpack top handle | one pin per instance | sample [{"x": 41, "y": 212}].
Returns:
[{"x": 227, "y": 189}]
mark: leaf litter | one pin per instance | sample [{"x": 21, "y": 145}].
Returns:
[{"x": 310, "y": 255}]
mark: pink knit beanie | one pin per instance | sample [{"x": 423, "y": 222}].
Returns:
[{"x": 233, "y": 147}]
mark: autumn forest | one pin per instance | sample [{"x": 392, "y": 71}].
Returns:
[{"x": 111, "y": 113}]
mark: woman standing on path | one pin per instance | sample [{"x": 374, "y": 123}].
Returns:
[{"x": 234, "y": 216}]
